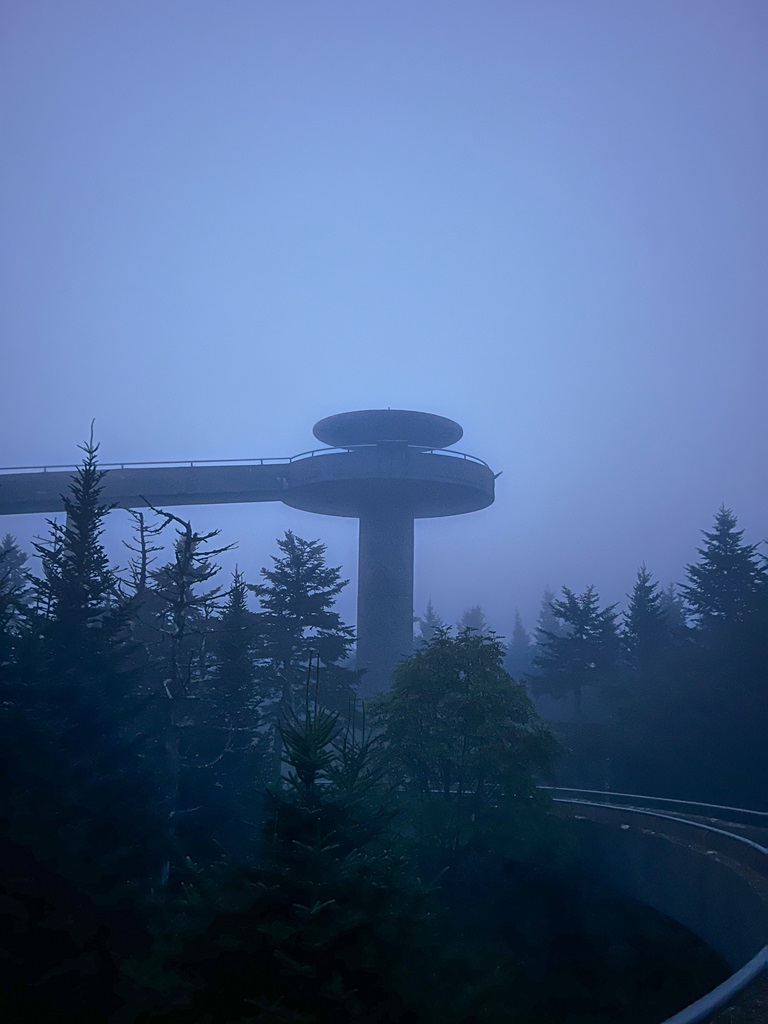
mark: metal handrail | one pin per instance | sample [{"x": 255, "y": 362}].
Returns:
[
  {"x": 652, "y": 813},
  {"x": 657, "y": 799},
  {"x": 191, "y": 463},
  {"x": 719, "y": 997}
]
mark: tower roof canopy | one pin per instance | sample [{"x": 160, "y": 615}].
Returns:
[{"x": 368, "y": 426}]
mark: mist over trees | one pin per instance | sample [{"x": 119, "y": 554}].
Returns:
[
  {"x": 666, "y": 696},
  {"x": 199, "y": 817},
  {"x": 679, "y": 676},
  {"x": 185, "y": 799}
]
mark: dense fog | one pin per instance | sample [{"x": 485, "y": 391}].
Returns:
[{"x": 235, "y": 787}]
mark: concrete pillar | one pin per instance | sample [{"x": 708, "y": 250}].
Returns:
[{"x": 384, "y": 593}]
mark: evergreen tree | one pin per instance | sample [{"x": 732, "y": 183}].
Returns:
[
  {"x": 429, "y": 624},
  {"x": 144, "y": 550},
  {"x": 185, "y": 605},
  {"x": 237, "y": 717},
  {"x": 14, "y": 596},
  {"x": 465, "y": 744},
  {"x": 729, "y": 582},
  {"x": 727, "y": 596},
  {"x": 77, "y": 699},
  {"x": 297, "y": 620},
  {"x": 673, "y": 607},
  {"x": 547, "y": 621},
  {"x": 331, "y": 926},
  {"x": 645, "y": 632},
  {"x": 519, "y": 650},
  {"x": 235, "y": 646},
  {"x": 473, "y": 618},
  {"x": 583, "y": 655},
  {"x": 77, "y": 596},
  {"x": 78, "y": 809}
]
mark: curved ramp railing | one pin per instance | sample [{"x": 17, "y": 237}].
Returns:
[{"x": 633, "y": 803}]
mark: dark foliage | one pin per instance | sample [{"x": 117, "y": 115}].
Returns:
[
  {"x": 331, "y": 926},
  {"x": 297, "y": 621},
  {"x": 465, "y": 746},
  {"x": 583, "y": 653}
]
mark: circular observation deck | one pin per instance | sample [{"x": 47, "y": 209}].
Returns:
[
  {"x": 372, "y": 426},
  {"x": 395, "y": 461}
]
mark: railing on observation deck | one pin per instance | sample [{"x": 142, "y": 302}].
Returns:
[{"x": 277, "y": 460}]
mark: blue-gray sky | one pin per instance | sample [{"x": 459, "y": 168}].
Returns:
[{"x": 547, "y": 220}]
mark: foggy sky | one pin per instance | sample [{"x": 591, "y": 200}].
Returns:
[{"x": 547, "y": 220}]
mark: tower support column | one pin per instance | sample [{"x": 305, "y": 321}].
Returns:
[{"x": 384, "y": 593}]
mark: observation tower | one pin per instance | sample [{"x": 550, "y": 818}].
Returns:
[{"x": 384, "y": 467}]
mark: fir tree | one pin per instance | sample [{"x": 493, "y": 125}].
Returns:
[
  {"x": 235, "y": 646},
  {"x": 185, "y": 604},
  {"x": 645, "y": 631},
  {"x": 14, "y": 596},
  {"x": 519, "y": 650},
  {"x": 77, "y": 596},
  {"x": 237, "y": 717},
  {"x": 473, "y": 618},
  {"x": 673, "y": 608},
  {"x": 547, "y": 621},
  {"x": 297, "y": 619},
  {"x": 584, "y": 655},
  {"x": 429, "y": 624},
  {"x": 79, "y": 821},
  {"x": 727, "y": 596},
  {"x": 331, "y": 926},
  {"x": 729, "y": 582}
]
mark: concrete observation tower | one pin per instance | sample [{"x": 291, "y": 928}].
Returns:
[
  {"x": 394, "y": 468},
  {"x": 385, "y": 467}
]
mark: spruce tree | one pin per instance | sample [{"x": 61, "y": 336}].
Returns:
[
  {"x": 645, "y": 632},
  {"x": 78, "y": 698},
  {"x": 297, "y": 620},
  {"x": 582, "y": 654},
  {"x": 519, "y": 650},
  {"x": 185, "y": 604},
  {"x": 14, "y": 598},
  {"x": 727, "y": 597},
  {"x": 235, "y": 644},
  {"x": 78, "y": 811},
  {"x": 673, "y": 607},
  {"x": 473, "y": 618},
  {"x": 547, "y": 621},
  {"x": 237, "y": 717},
  {"x": 729, "y": 582},
  {"x": 331, "y": 926},
  {"x": 429, "y": 623}
]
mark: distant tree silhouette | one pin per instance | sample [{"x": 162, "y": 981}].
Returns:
[
  {"x": 473, "y": 618},
  {"x": 584, "y": 655},
  {"x": 673, "y": 607},
  {"x": 519, "y": 650},
  {"x": 547, "y": 621},
  {"x": 429, "y": 624},
  {"x": 727, "y": 598},
  {"x": 645, "y": 630},
  {"x": 728, "y": 583}
]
